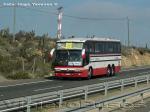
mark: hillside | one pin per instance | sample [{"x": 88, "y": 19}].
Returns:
[
  {"x": 135, "y": 57},
  {"x": 27, "y": 56}
]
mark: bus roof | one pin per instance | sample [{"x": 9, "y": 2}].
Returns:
[{"x": 88, "y": 39}]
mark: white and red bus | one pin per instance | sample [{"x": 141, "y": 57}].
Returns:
[{"x": 86, "y": 57}]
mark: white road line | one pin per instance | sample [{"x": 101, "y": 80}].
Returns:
[
  {"x": 26, "y": 83},
  {"x": 135, "y": 69},
  {"x": 144, "y": 72},
  {"x": 52, "y": 80},
  {"x": 117, "y": 77},
  {"x": 107, "y": 78},
  {"x": 47, "y": 88}
]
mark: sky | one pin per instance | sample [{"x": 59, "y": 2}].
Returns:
[{"x": 45, "y": 21}]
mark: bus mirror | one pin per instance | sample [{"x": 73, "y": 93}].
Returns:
[
  {"x": 83, "y": 54},
  {"x": 51, "y": 53}
]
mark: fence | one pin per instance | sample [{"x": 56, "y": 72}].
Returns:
[{"x": 59, "y": 96}]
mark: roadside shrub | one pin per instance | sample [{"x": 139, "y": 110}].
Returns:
[
  {"x": 42, "y": 69},
  {"x": 142, "y": 51},
  {"x": 7, "y": 65},
  {"x": 19, "y": 75},
  {"x": 125, "y": 51}
]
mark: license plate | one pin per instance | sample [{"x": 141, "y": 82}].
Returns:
[{"x": 68, "y": 74}]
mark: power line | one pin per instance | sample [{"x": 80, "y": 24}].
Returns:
[
  {"x": 78, "y": 17},
  {"x": 14, "y": 23},
  {"x": 74, "y": 17},
  {"x": 39, "y": 10},
  {"x": 93, "y": 19},
  {"x": 128, "y": 27}
]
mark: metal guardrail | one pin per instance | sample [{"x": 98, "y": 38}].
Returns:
[
  {"x": 59, "y": 96},
  {"x": 100, "y": 103}
]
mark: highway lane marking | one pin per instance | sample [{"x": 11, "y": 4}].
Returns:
[
  {"x": 48, "y": 88},
  {"x": 143, "y": 73},
  {"x": 107, "y": 78},
  {"x": 117, "y": 77},
  {"x": 135, "y": 69},
  {"x": 25, "y": 83},
  {"x": 53, "y": 80}
]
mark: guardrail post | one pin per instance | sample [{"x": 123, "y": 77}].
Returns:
[
  {"x": 122, "y": 85},
  {"x": 102, "y": 107},
  {"x": 106, "y": 88},
  {"x": 124, "y": 103},
  {"x": 60, "y": 98},
  {"x": 147, "y": 79},
  {"x": 21, "y": 102},
  {"x": 41, "y": 104},
  {"x": 135, "y": 80},
  {"x": 28, "y": 103},
  {"x": 141, "y": 97},
  {"x": 86, "y": 92}
]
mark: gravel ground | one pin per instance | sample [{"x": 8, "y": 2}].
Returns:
[{"x": 2, "y": 79}]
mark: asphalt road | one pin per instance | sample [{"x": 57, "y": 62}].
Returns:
[{"x": 50, "y": 85}]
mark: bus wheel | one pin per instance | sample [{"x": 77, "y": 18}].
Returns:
[
  {"x": 109, "y": 71},
  {"x": 113, "y": 70},
  {"x": 90, "y": 72}
]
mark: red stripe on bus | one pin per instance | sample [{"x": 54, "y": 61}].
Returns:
[
  {"x": 102, "y": 71},
  {"x": 84, "y": 73},
  {"x": 68, "y": 66}
]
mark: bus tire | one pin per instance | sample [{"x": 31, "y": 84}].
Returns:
[
  {"x": 90, "y": 73},
  {"x": 109, "y": 71},
  {"x": 113, "y": 70}
]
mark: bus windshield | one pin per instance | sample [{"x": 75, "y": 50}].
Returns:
[{"x": 68, "y": 58}]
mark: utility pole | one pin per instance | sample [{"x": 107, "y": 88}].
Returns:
[
  {"x": 14, "y": 22},
  {"x": 128, "y": 30},
  {"x": 59, "y": 29}
]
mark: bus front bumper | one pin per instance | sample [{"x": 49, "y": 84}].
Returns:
[{"x": 77, "y": 74}]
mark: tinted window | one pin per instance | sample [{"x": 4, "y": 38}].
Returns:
[
  {"x": 112, "y": 47},
  {"x": 89, "y": 47},
  {"x": 103, "y": 47},
  {"x": 99, "y": 47}
]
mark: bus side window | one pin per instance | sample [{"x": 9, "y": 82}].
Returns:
[
  {"x": 99, "y": 48},
  {"x": 116, "y": 48},
  {"x": 87, "y": 58},
  {"x": 86, "y": 47},
  {"x": 90, "y": 47},
  {"x": 119, "y": 48},
  {"x": 110, "y": 47}
]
